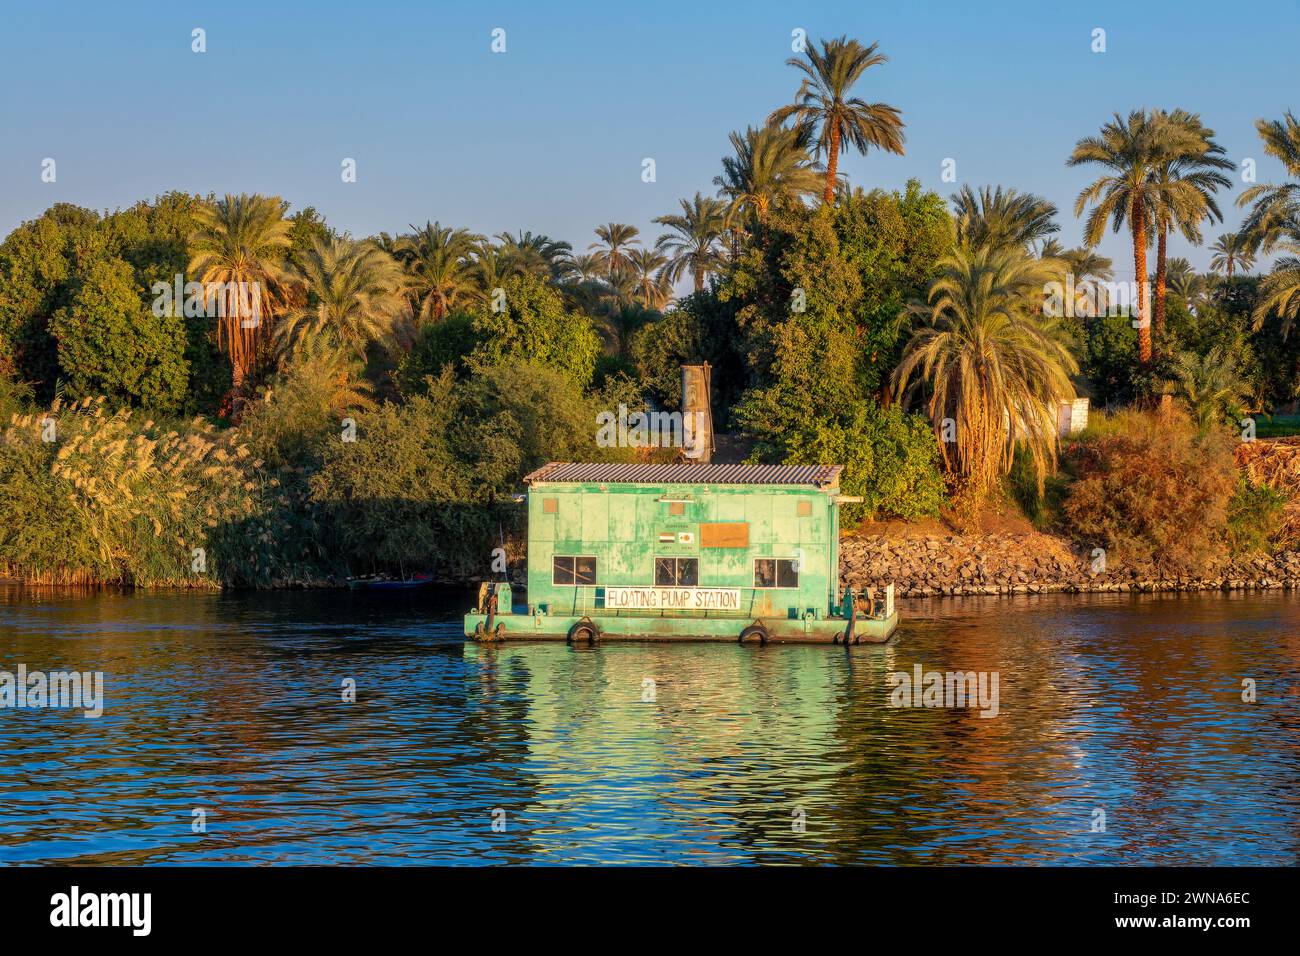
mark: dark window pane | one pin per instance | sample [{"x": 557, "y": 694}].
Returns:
[
  {"x": 584, "y": 570},
  {"x": 764, "y": 573},
  {"x": 786, "y": 574},
  {"x": 665, "y": 575},
  {"x": 688, "y": 572},
  {"x": 562, "y": 571}
]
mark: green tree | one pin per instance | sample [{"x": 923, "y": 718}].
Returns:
[
  {"x": 1275, "y": 207},
  {"x": 110, "y": 344},
  {"x": 1130, "y": 149},
  {"x": 241, "y": 242},
  {"x": 534, "y": 327},
  {"x": 615, "y": 243},
  {"x": 1001, "y": 219},
  {"x": 771, "y": 169},
  {"x": 353, "y": 296},
  {"x": 439, "y": 262},
  {"x": 694, "y": 241},
  {"x": 1186, "y": 177},
  {"x": 824, "y": 107},
  {"x": 1231, "y": 252},
  {"x": 37, "y": 267},
  {"x": 993, "y": 368}
]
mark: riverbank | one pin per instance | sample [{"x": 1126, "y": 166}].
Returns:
[{"x": 926, "y": 565}]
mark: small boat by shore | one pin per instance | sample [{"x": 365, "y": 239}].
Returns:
[{"x": 380, "y": 582}]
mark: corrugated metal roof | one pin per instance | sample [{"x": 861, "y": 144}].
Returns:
[{"x": 687, "y": 474}]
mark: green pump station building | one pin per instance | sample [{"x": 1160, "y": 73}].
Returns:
[{"x": 682, "y": 552}]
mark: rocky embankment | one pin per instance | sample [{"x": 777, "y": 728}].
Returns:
[{"x": 1028, "y": 563}]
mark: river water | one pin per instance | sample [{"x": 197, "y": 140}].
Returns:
[{"x": 1121, "y": 736}]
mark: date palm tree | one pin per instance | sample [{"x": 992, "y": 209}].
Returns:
[
  {"x": 823, "y": 106},
  {"x": 771, "y": 168},
  {"x": 538, "y": 254},
  {"x": 993, "y": 368},
  {"x": 439, "y": 263},
  {"x": 1128, "y": 148},
  {"x": 1083, "y": 269},
  {"x": 1210, "y": 386},
  {"x": 1275, "y": 208},
  {"x": 1186, "y": 178},
  {"x": 354, "y": 293},
  {"x": 695, "y": 239},
  {"x": 998, "y": 218},
  {"x": 649, "y": 268},
  {"x": 1231, "y": 252},
  {"x": 616, "y": 240},
  {"x": 242, "y": 240},
  {"x": 1279, "y": 293},
  {"x": 491, "y": 266},
  {"x": 585, "y": 267}
]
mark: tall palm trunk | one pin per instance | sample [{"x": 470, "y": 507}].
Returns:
[
  {"x": 1160, "y": 283},
  {"x": 699, "y": 280},
  {"x": 832, "y": 163},
  {"x": 1138, "y": 220}
]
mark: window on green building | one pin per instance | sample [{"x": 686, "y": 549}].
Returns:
[
  {"x": 776, "y": 573},
  {"x": 677, "y": 572},
  {"x": 573, "y": 571}
]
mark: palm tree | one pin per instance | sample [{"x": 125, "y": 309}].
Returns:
[
  {"x": 695, "y": 241},
  {"x": 1129, "y": 149},
  {"x": 771, "y": 169},
  {"x": 822, "y": 105},
  {"x": 616, "y": 239},
  {"x": 241, "y": 243},
  {"x": 1280, "y": 291},
  {"x": 439, "y": 261},
  {"x": 585, "y": 267},
  {"x": 993, "y": 367},
  {"x": 539, "y": 254},
  {"x": 649, "y": 268},
  {"x": 1231, "y": 252},
  {"x": 619, "y": 321},
  {"x": 1083, "y": 269},
  {"x": 1186, "y": 177},
  {"x": 998, "y": 218},
  {"x": 492, "y": 266},
  {"x": 354, "y": 294},
  {"x": 1276, "y": 210},
  {"x": 1210, "y": 386}
]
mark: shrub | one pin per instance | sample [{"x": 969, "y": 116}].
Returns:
[
  {"x": 1153, "y": 491},
  {"x": 118, "y": 499},
  {"x": 890, "y": 460},
  {"x": 437, "y": 344},
  {"x": 1255, "y": 514}
]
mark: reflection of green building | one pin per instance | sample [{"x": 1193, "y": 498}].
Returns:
[
  {"x": 639, "y": 753},
  {"x": 682, "y": 551}
]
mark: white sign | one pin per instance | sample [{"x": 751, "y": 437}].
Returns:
[{"x": 676, "y": 599}]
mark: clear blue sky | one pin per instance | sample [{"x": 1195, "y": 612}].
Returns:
[{"x": 550, "y": 135}]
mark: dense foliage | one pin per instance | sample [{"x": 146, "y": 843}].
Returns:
[{"x": 372, "y": 404}]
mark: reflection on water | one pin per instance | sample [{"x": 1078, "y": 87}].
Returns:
[{"x": 233, "y": 705}]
